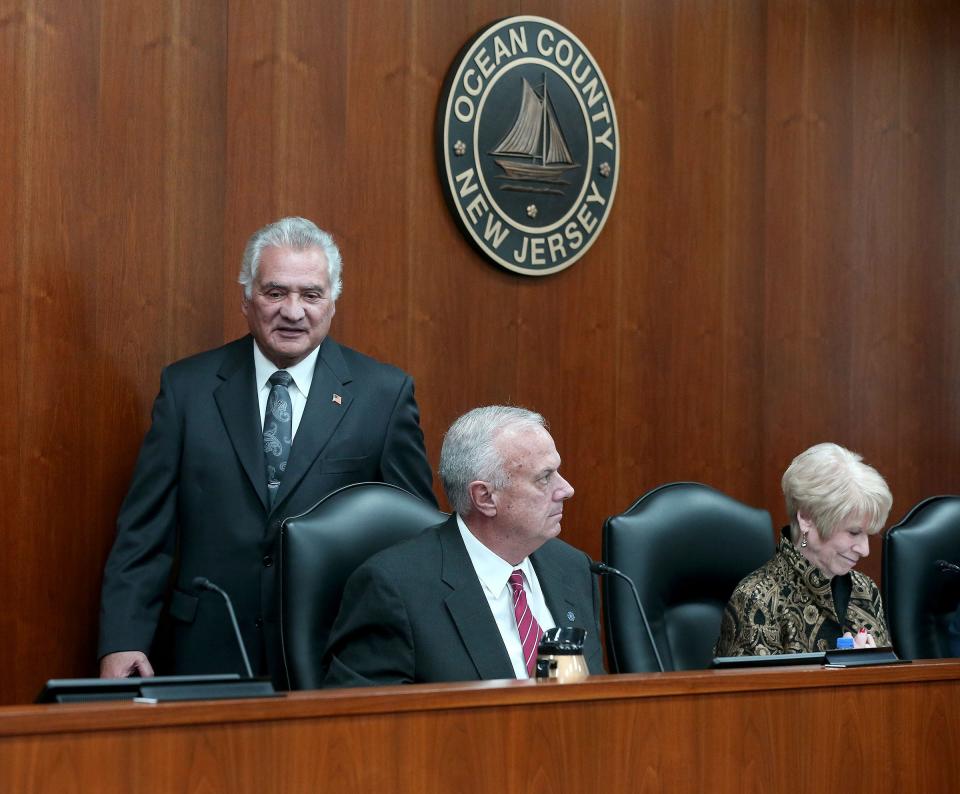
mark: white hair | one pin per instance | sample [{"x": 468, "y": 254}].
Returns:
[
  {"x": 469, "y": 452},
  {"x": 298, "y": 234}
]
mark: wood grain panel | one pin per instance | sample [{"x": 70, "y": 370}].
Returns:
[
  {"x": 56, "y": 250},
  {"x": 927, "y": 283},
  {"x": 15, "y": 63},
  {"x": 566, "y": 333},
  {"x": 781, "y": 265},
  {"x": 464, "y": 324},
  {"x": 160, "y": 122},
  {"x": 808, "y": 268},
  {"x": 855, "y": 212},
  {"x": 158, "y": 295},
  {"x": 875, "y": 254},
  {"x": 119, "y": 248},
  {"x": 713, "y": 732},
  {"x": 286, "y": 138},
  {"x": 691, "y": 345}
]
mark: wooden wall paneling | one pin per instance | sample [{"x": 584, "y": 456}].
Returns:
[
  {"x": 701, "y": 731},
  {"x": 786, "y": 194},
  {"x": 875, "y": 252},
  {"x": 49, "y": 537},
  {"x": 719, "y": 169},
  {"x": 194, "y": 174},
  {"x": 693, "y": 351},
  {"x": 464, "y": 310},
  {"x": 251, "y": 190},
  {"x": 125, "y": 348},
  {"x": 311, "y": 98},
  {"x": 645, "y": 110},
  {"x": 566, "y": 340},
  {"x": 853, "y": 284},
  {"x": 926, "y": 318},
  {"x": 98, "y": 158},
  {"x": 740, "y": 247},
  {"x": 780, "y": 267},
  {"x": 808, "y": 305},
  {"x": 15, "y": 46},
  {"x": 378, "y": 160},
  {"x": 827, "y": 307},
  {"x": 947, "y": 27},
  {"x": 161, "y": 120},
  {"x": 286, "y": 110},
  {"x": 690, "y": 443}
]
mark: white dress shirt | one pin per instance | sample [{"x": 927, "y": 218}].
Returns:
[
  {"x": 302, "y": 375},
  {"x": 494, "y": 574}
]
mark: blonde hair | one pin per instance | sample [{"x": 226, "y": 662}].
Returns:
[{"x": 828, "y": 483}]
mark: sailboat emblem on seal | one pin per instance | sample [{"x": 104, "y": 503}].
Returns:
[{"x": 537, "y": 140}]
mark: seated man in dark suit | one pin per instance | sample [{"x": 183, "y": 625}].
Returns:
[{"x": 469, "y": 599}]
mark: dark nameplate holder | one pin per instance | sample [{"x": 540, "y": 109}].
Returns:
[
  {"x": 773, "y": 660},
  {"x": 861, "y": 657},
  {"x": 159, "y": 688},
  {"x": 857, "y": 657}
]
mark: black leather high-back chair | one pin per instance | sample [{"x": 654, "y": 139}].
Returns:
[
  {"x": 686, "y": 546},
  {"x": 920, "y": 600},
  {"x": 321, "y": 547}
]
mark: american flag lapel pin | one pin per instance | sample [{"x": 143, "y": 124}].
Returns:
[{"x": 338, "y": 399}]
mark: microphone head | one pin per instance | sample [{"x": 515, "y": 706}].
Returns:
[
  {"x": 603, "y": 569},
  {"x": 201, "y": 583}
]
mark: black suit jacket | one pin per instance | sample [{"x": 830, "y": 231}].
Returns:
[
  {"x": 198, "y": 504},
  {"x": 416, "y": 612}
]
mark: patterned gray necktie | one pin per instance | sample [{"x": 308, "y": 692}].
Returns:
[{"x": 277, "y": 430}]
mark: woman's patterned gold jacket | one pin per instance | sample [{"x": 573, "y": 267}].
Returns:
[{"x": 787, "y": 607}]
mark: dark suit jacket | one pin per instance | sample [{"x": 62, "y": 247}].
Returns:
[
  {"x": 416, "y": 612},
  {"x": 198, "y": 504}
]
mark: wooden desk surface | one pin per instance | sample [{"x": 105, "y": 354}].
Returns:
[{"x": 877, "y": 729}]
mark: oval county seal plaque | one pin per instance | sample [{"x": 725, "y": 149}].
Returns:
[{"x": 528, "y": 145}]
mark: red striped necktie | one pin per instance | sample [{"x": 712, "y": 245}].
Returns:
[{"x": 530, "y": 631}]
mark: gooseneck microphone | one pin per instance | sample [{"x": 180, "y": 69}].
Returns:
[
  {"x": 947, "y": 567},
  {"x": 602, "y": 569},
  {"x": 202, "y": 583}
]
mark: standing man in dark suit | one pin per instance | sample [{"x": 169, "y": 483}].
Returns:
[
  {"x": 469, "y": 599},
  {"x": 241, "y": 437}
]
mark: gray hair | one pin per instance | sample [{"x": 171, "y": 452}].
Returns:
[
  {"x": 828, "y": 483},
  {"x": 298, "y": 234},
  {"x": 469, "y": 452}
]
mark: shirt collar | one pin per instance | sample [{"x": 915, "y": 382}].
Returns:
[
  {"x": 492, "y": 570},
  {"x": 302, "y": 373}
]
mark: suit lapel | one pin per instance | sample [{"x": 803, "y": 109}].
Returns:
[
  {"x": 556, "y": 592},
  {"x": 321, "y": 416},
  {"x": 468, "y": 607},
  {"x": 236, "y": 399}
]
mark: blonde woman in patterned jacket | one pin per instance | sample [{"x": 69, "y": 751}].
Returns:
[{"x": 808, "y": 595}]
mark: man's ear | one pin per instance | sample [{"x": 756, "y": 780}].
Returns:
[{"x": 482, "y": 499}]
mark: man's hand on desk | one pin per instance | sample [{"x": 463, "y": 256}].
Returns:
[{"x": 125, "y": 664}]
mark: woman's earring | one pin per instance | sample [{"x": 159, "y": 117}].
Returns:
[{"x": 803, "y": 540}]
